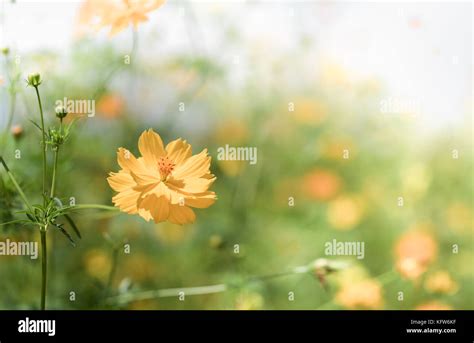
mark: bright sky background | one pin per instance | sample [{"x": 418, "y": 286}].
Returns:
[{"x": 420, "y": 50}]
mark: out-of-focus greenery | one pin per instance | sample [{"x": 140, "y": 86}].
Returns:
[{"x": 300, "y": 158}]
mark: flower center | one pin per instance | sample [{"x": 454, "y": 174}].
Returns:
[{"x": 165, "y": 166}]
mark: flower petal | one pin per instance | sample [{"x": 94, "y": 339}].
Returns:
[
  {"x": 126, "y": 201},
  {"x": 158, "y": 207},
  {"x": 151, "y": 147},
  {"x": 195, "y": 166},
  {"x": 178, "y": 151},
  {"x": 121, "y": 181},
  {"x": 190, "y": 186},
  {"x": 181, "y": 215},
  {"x": 203, "y": 200},
  {"x": 127, "y": 161}
]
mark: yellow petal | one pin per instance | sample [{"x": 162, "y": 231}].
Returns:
[
  {"x": 181, "y": 215},
  {"x": 121, "y": 181},
  {"x": 201, "y": 201},
  {"x": 127, "y": 201},
  {"x": 178, "y": 151},
  {"x": 127, "y": 161},
  {"x": 145, "y": 179},
  {"x": 145, "y": 214},
  {"x": 195, "y": 166},
  {"x": 151, "y": 147},
  {"x": 197, "y": 185},
  {"x": 157, "y": 190},
  {"x": 158, "y": 207}
]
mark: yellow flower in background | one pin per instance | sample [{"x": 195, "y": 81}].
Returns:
[
  {"x": 164, "y": 183},
  {"x": 362, "y": 294},
  {"x": 321, "y": 184},
  {"x": 116, "y": 14},
  {"x": 233, "y": 132},
  {"x": 248, "y": 301},
  {"x": 434, "y": 306},
  {"x": 232, "y": 168},
  {"x": 110, "y": 106},
  {"x": 345, "y": 212},
  {"x": 97, "y": 263},
  {"x": 336, "y": 149},
  {"x": 459, "y": 217},
  {"x": 309, "y": 111},
  {"x": 172, "y": 233},
  {"x": 334, "y": 75},
  {"x": 441, "y": 282},
  {"x": 415, "y": 180},
  {"x": 414, "y": 252},
  {"x": 140, "y": 268}
]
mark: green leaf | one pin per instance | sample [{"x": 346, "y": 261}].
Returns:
[
  {"x": 73, "y": 225},
  {"x": 65, "y": 233},
  {"x": 34, "y": 123},
  {"x": 15, "y": 222}
]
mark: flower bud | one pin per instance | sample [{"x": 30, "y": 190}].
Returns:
[
  {"x": 5, "y": 51},
  {"x": 34, "y": 79},
  {"x": 17, "y": 131},
  {"x": 61, "y": 112}
]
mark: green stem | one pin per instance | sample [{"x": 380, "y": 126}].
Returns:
[
  {"x": 113, "y": 270},
  {"x": 210, "y": 289},
  {"x": 55, "y": 167},
  {"x": 9, "y": 122},
  {"x": 44, "y": 267},
  {"x": 169, "y": 292},
  {"x": 15, "y": 183},
  {"x": 43, "y": 143}
]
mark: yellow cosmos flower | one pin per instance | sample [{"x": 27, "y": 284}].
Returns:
[
  {"x": 164, "y": 183},
  {"x": 118, "y": 14}
]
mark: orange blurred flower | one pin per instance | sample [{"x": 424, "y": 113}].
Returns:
[
  {"x": 17, "y": 131},
  {"x": 434, "y": 306},
  {"x": 365, "y": 294},
  {"x": 118, "y": 14},
  {"x": 110, "y": 105},
  {"x": 321, "y": 184},
  {"x": 414, "y": 252},
  {"x": 165, "y": 182},
  {"x": 441, "y": 282}
]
